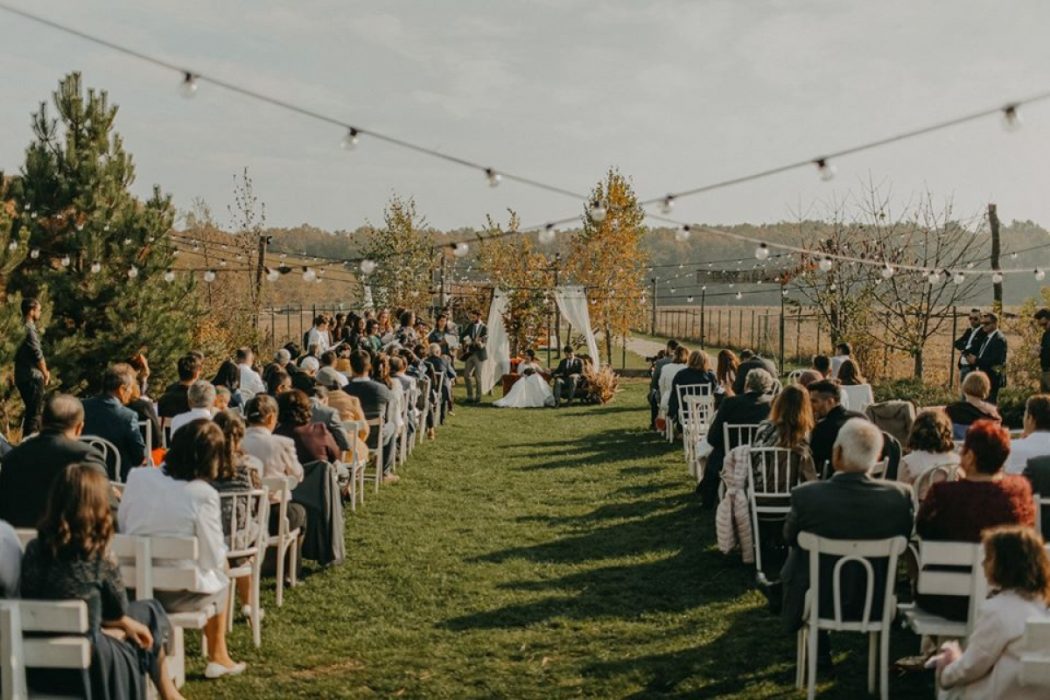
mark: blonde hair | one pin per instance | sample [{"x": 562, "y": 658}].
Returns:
[{"x": 977, "y": 384}]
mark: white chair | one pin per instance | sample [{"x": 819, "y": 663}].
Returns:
[
  {"x": 439, "y": 399},
  {"x": 878, "y": 470},
  {"x": 1040, "y": 502},
  {"x": 110, "y": 454},
  {"x": 377, "y": 425},
  {"x": 146, "y": 427},
  {"x": 165, "y": 432},
  {"x": 247, "y": 537},
  {"x": 402, "y": 437},
  {"x": 40, "y": 634},
  {"x": 733, "y": 435},
  {"x": 794, "y": 376},
  {"x": 965, "y": 578},
  {"x": 286, "y": 540},
  {"x": 877, "y": 616},
  {"x": 424, "y": 408},
  {"x": 25, "y": 535},
  {"x": 770, "y": 500},
  {"x": 1035, "y": 655},
  {"x": 356, "y": 463},
  {"x": 935, "y": 475},
  {"x": 696, "y": 408}
]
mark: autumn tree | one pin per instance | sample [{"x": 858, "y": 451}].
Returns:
[
  {"x": 403, "y": 251},
  {"x": 606, "y": 258}
]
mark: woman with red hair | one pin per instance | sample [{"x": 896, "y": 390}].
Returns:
[{"x": 959, "y": 511}]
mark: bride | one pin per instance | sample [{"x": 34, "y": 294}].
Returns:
[{"x": 531, "y": 391}]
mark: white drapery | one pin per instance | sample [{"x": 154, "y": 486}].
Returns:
[
  {"x": 572, "y": 302},
  {"x": 497, "y": 362}
]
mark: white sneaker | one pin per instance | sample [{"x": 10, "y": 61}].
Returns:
[
  {"x": 214, "y": 670},
  {"x": 247, "y": 612}
]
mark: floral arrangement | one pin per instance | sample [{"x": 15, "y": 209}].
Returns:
[{"x": 602, "y": 384}]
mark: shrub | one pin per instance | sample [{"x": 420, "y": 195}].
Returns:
[{"x": 915, "y": 391}]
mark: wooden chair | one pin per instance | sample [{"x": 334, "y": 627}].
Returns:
[
  {"x": 40, "y": 634},
  {"x": 286, "y": 540},
  {"x": 965, "y": 578},
  {"x": 770, "y": 500},
  {"x": 356, "y": 463},
  {"x": 110, "y": 454},
  {"x": 877, "y": 616},
  {"x": 1035, "y": 655},
  {"x": 247, "y": 535}
]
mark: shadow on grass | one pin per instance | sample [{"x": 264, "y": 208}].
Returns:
[{"x": 606, "y": 447}]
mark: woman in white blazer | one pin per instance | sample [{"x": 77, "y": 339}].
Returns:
[
  {"x": 1018, "y": 570},
  {"x": 177, "y": 501}
]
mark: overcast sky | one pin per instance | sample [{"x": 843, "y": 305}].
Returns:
[{"x": 675, "y": 94}]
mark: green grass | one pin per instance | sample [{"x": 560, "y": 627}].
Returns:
[{"x": 534, "y": 554}]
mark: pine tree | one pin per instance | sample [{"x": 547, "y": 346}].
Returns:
[
  {"x": 101, "y": 252},
  {"x": 403, "y": 252}
]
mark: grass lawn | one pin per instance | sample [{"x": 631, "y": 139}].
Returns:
[{"x": 534, "y": 554}]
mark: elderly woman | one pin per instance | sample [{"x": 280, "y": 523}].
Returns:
[
  {"x": 201, "y": 399},
  {"x": 929, "y": 445},
  {"x": 313, "y": 441},
  {"x": 974, "y": 406},
  {"x": 959, "y": 511}
]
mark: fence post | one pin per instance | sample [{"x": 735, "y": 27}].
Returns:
[
  {"x": 740, "y": 325},
  {"x": 703, "y": 325},
  {"x": 951, "y": 357},
  {"x": 818, "y": 334},
  {"x": 273, "y": 331},
  {"x": 718, "y": 329}
]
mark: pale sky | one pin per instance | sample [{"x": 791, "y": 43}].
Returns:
[{"x": 675, "y": 93}]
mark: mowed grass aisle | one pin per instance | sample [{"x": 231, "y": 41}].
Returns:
[{"x": 530, "y": 554}]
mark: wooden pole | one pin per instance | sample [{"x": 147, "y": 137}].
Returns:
[
  {"x": 951, "y": 361},
  {"x": 997, "y": 287},
  {"x": 703, "y": 324},
  {"x": 652, "y": 325}
]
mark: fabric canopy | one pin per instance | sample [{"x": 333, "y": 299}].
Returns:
[
  {"x": 572, "y": 302},
  {"x": 498, "y": 356}
]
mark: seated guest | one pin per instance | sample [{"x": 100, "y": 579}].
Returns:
[
  {"x": 697, "y": 371},
  {"x": 789, "y": 424},
  {"x": 662, "y": 359},
  {"x": 145, "y": 411},
  {"x": 178, "y": 500},
  {"x": 106, "y": 416},
  {"x": 29, "y": 469},
  {"x": 929, "y": 445},
  {"x": 957, "y": 511},
  {"x": 228, "y": 381},
  {"x": 822, "y": 365},
  {"x": 1018, "y": 570},
  {"x": 750, "y": 407},
  {"x": 750, "y": 360},
  {"x": 843, "y": 352},
  {"x": 223, "y": 397},
  {"x": 328, "y": 374},
  {"x": 250, "y": 381},
  {"x": 856, "y": 392},
  {"x": 974, "y": 406},
  {"x": 1036, "y": 439},
  {"x": 679, "y": 361},
  {"x": 376, "y": 399},
  {"x": 279, "y": 382},
  {"x": 281, "y": 361},
  {"x": 313, "y": 441},
  {"x": 173, "y": 401},
  {"x": 409, "y": 387},
  {"x": 406, "y": 334},
  {"x": 276, "y": 453},
  {"x": 10, "y": 561},
  {"x": 328, "y": 416},
  {"x": 303, "y": 380},
  {"x": 69, "y": 560},
  {"x": 201, "y": 399},
  {"x": 826, "y": 399},
  {"x": 848, "y": 506},
  {"x": 726, "y": 372}
]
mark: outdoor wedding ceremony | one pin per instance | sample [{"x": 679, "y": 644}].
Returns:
[{"x": 581, "y": 349}]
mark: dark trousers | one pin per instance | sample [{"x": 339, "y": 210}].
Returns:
[
  {"x": 565, "y": 386},
  {"x": 654, "y": 408},
  {"x": 32, "y": 392}
]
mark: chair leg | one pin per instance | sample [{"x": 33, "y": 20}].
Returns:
[
  {"x": 281, "y": 552},
  {"x": 800, "y": 658},
  {"x": 884, "y": 663},
  {"x": 293, "y": 558},
  {"x": 231, "y": 604},
  {"x": 811, "y": 665},
  {"x": 256, "y": 603},
  {"x": 178, "y": 656},
  {"x": 872, "y": 660}
]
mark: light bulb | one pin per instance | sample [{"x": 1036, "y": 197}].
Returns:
[
  {"x": 13, "y": 245},
  {"x": 133, "y": 272},
  {"x": 188, "y": 88},
  {"x": 272, "y": 275},
  {"x": 350, "y": 140},
  {"x": 683, "y": 233},
  {"x": 1011, "y": 118},
  {"x": 493, "y": 177},
  {"x": 1039, "y": 275},
  {"x": 64, "y": 262},
  {"x": 127, "y": 241},
  {"x": 368, "y": 266},
  {"x": 96, "y": 268},
  {"x": 704, "y": 288},
  {"x": 739, "y": 295},
  {"x": 689, "y": 299},
  {"x": 547, "y": 234},
  {"x": 461, "y": 250},
  {"x": 997, "y": 278},
  {"x": 887, "y": 272},
  {"x": 672, "y": 290},
  {"x": 827, "y": 170},
  {"x": 169, "y": 276},
  {"x": 667, "y": 205},
  {"x": 934, "y": 278},
  {"x": 309, "y": 275},
  {"x": 34, "y": 253},
  {"x": 222, "y": 263},
  {"x": 762, "y": 251},
  {"x": 834, "y": 287},
  {"x": 959, "y": 278},
  {"x": 825, "y": 264},
  {"x": 209, "y": 276},
  {"x": 597, "y": 211},
  {"x": 784, "y": 292}
]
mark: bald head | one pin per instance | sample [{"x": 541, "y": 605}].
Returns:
[{"x": 63, "y": 414}]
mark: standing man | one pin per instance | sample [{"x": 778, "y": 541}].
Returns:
[
  {"x": 1042, "y": 317},
  {"x": 472, "y": 341},
  {"x": 31, "y": 373},
  {"x": 567, "y": 376},
  {"x": 990, "y": 357},
  {"x": 970, "y": 341}
]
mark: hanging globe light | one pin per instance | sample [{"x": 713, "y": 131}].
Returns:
[
  {"x": 461, "y": 250},
  {"x": 169, "y": 276},
  {"x": 209, "y": 276},
  {"x": 96, "y": 268},
  {"x": 825, "y": 264},
  {"x": 547, "y": 234},
  {"x": 762, "y": 251},
  {"x": 368, "y": 266},
  {"x": 997, "y": 278},
  {"x": 597, "y": 211},
  {"x": 133, "y": 272},
  {"x": 683, "y": 233}
]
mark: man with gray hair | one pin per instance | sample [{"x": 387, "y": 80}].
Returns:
[
  {"x": 848, "y": 506},
  {"x": 201, "y": 398},
  {"x": 107, "y": 416},
  {"x": 752, "y": 406}
]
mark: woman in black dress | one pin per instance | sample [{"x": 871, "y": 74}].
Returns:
[{"x": 70, "y": 559}]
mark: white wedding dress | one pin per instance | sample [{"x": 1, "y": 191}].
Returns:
[{"x": 528, "y": 392}]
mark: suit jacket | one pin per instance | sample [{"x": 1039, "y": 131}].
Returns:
[
  {"x": 991, "y": 356},
  {"x": 29, "y": 469},
  {"x": 969, "y": 341},
  {"x": 568, "y": 367},
  {"x": 822, "y": 439},
  {"x": 173, "y": 401},
  {"x": 755, "y": 362},
  {"x": 375, "y": 399},
  {"x": 845, "y": 507},
  {"x": 329, "y": 417},
  {"x": 1038, "y": 472},
  {"x": 750, "y": 407},
  {"x": 477, "y": 334},
  {"x": 28, "y": 355},
  {"x": 107, "y": 418}
]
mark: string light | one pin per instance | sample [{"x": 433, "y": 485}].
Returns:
[
  {"x": 689, "y": 299},
  {"x": 959, "y": 278},
  {"x": 682, "y": 234},
  {"x": 493, "y": 177},
  {"x": 1039, "y": 275},
  {"x": 739, "y": 295},
  {"x": 825, "y": 264},
  {"x": 309, "y": 275},
  {"x": 133, "y": 272},
  {"x": 64, "y": 262},
  {"x": 887, "y": 272},
  {"x": 188, "y": 88},
  {"x": 34, "y": 253},
  {"x": 934, "y": 278},
  {"x": 1011, "y": 118},
  {"x": 169, "y": 276},
  {"x": 351, "y": 139},
  {"x": 368, "y": 266},
  {"x": 547, "y": 234},
  {"x": 667, "y": 206},
  {"x": 96, "y": 268},
  {"x": 762, "y": 251},
  {"x": 597, "y": 211},
  {"x": 827, "y": 170},
  {"x": 461, "y": 250},
  {"x": 997, "y": 278},
  {"x": 272, "y": 275},
  {"x": 209, "y": 276},
  {"x": 13, "y": 245}
]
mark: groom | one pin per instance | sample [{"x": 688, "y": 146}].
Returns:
[
  {"x": 472, "y": 340},
  {"x": 567, "y": 376}
]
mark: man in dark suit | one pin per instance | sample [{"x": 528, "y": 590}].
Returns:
[
  {"x": 990, "y": 357},
  {"x": 174, "y": 399},
  {"x": 567, "y": 376},
  {"x": 31, "y": 373},
  {"x": 749, "y": 407},
  {"x": 1037, "y": 472},
  {"x": 473, "y": 339},
  {"x": 825, "y": 397},
  {"x": 376, "y": 399},
  {"x": 968, "y": 343},
  {"x": 748, "y": 361},
  {"x": 848, "y": 506},
  {"x": 29, "y": 469},
  {"x": 107, "y": 416}
]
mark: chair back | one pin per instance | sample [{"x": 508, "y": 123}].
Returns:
[
  {"x": 40, "y": 634},
  {"x": 378, "y": 424},
  {"x": 25, "y": 535},
  {"x": 737, "y": 434},
  {"x": 165, "y": 432},
  {"x": 110, "y": 454},
  {"x": 1035, "y": 654},
  {"x": 878, "y": 471},
  {"x": 794, "y": 375},
  {"x": 152, "y": 564},
  {"x": 953, "y": 568},
  {"x": 774, "y": 472},
  {"x": 696, "y": 408},
  {"x": 877, "y": 614},
  {"x": 146, "y": 428},
  {"x": 279, "y": 489},
  {"x": 934, "y": 475},
  {"x": 245, "y": 518}
]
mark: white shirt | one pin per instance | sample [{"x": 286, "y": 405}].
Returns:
[
  {"x": 276, "y": 452},
  {"x": 1022, "y": 449},
  {"x": 251, "y": 382},
  {"x": 836, "y": 362},
  {"x": 189, "y": 416},
  {"x": 857, "y": 397},
  {"x": 915, "y": 464},
  {"x": 156, "y": 505},
  {"x": 10, "y": 561},
  {"x": 991, "y": 664},
  {"x": 318, "y": 338},
  {"x": 667, "y": 374}
]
